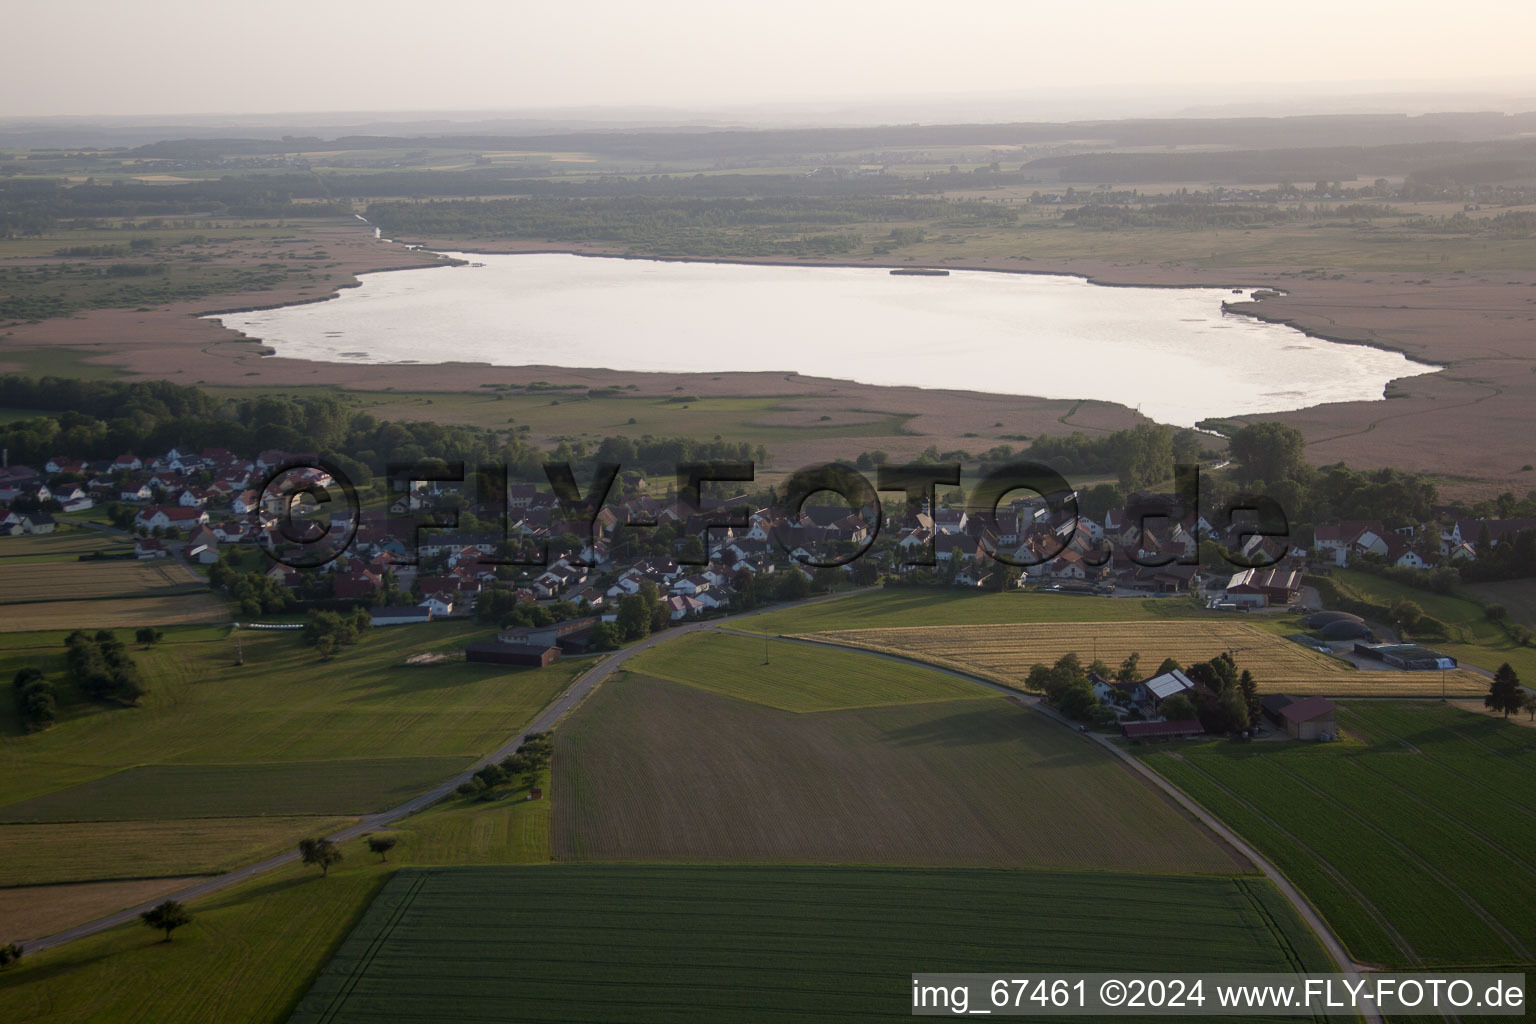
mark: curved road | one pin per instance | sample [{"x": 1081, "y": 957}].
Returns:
[{"x": 546, "y": 719}]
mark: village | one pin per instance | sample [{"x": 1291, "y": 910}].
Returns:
[{"x": 203, "y": 507}]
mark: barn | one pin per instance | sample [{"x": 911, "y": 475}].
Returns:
[
  {"x": 494, "y": 652},
  {"x": 1311, "y": 718}
]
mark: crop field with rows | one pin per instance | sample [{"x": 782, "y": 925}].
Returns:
[
  {"x": 726, "y": 944},
  {"x": 1412, "y": 837}
]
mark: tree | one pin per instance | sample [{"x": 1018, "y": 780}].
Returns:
[
  {"x": 1408, "y": 614},
  {"x": 9, "y": 954},
  {"x": 1505, "y": 693},
  {"x": 149, "y": 636},
  {"x": 634, "y": 619},
  {"x": 381, "y": 845},
  {"x": 1530, "y": 705},
  {"x": 1168, "y": 665},
  {"x": 167, "y": 917},
  {"x": 1269, "y": 451},
  {"x": 1078, "y": 701},
  {"x": 1129, "y": 668},
  {"x": 322, "y": 853},
  {"x": 1250, "y": 688},
  {"x": 1177, "y": 708}
]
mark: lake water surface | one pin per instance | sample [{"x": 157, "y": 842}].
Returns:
[{"x": 1170, "y": 352}]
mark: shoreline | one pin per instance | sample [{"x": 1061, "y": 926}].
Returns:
[
  {"x": 1462, "y": 422},
  {"x": 1081, "y": 275}
]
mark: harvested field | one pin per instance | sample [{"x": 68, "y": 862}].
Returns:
[
  {"x": 1412, "y": 837},
  {"x": 799, "y": 945},
  {"x": 113, "y": 613},
  {"x": 795, "y": 677},
  {"x": 238, "y": 790},
  {"x": 33, "y": 582},
  {"x": 37, "y": 910},
  {"x": 86, "y": 851},
  {"x": 653, "y": 770},
  {"x": 1005, "y": 653}
]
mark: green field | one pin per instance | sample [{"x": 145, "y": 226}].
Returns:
[
  {"x": 652, "y": 770},
  {"x": 927, "y": 606},
  {"x": 1413, "y": 837},
  {"x": 255, "y": 948},
  {"x": 796, "y": 677},
  {"x": 784, "y": 944},
  {"x": 351, "y": 787},
  {"x": 94, "y": 850},
  {"x": 282, "y": 705}
]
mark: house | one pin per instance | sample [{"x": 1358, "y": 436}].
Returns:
[
  {"x": 1337, "y": 541},
  {"x": 203, "y": 545},
  {"x": 1311, "y": 718},
  {"x": 1497, "y": 531},
  {"x": 441, "y": 606},
  {"x": 37, "y": 523},
  {"x": 147, "y": 548},
  {"x": 166, "y": 517},
  {"x": 129, "y": 463}
]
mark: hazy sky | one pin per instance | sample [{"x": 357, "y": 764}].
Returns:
[{"x": 204, "y": 56}]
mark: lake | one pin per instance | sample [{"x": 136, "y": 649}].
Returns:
[{"x": 1170, "y": 352}]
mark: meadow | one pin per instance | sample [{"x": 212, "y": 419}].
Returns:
[
  {"x": 45, "y": 909},
  {"x": 282, "y": 705},
  {"x": 1412, "y": 836},
  {"x": 353, "y": 786},
  {"x": 646, "y": 943},
  {"x": 1005, "y": 654},
  {"x": 36, "y": 855},
  {"x": 654, "y": 770},
  {"x": 222, "y": 764},
  {"x": 795, "y": 677},
  {"x": 929, "y": 606}
]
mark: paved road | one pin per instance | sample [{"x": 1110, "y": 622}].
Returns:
[{"x": 568, "y": 699}]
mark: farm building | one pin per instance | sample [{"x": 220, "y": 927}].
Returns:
[
  {"x": 1161, "y": 730},
  {"x": 399, "y": 616},
  {"x": 1261, "y": 587},
  {"x": 1312, "y": 718},
  {"x": 1274, "y": 705},
  {"x": 570, "y": 635},
  {"x": 1410, "y": 657},
  {"x": 494, "y": 652}
]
